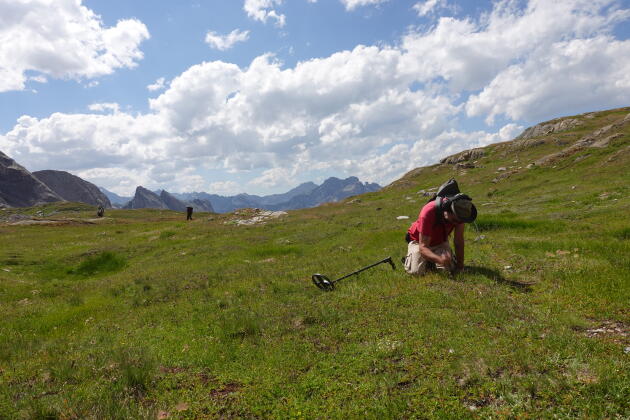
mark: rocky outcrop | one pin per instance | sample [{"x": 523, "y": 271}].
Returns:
[
  {"x": 145, "y": 199},
  {"x": 600, "y": 138},
  {"x": 465, "y": 156},
  {"x": 72, "y": 188},
  {"x": 249, "y": 217},
  {"x": 523, "y": 144},
  {"x": 19, "y": 188},
  {"x": 544, "y": 129},
  {"x": 171, "y": 202}
]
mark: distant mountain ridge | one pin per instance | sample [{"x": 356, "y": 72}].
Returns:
[
  {"x": 146, "y": 199},
  {"x": 114, "y": 198},
  {"x": 304, "y": 195}
]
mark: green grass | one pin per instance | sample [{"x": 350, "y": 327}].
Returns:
[
  {"x": 143, "y": 313},
  {"x": 106, "y": 262}
]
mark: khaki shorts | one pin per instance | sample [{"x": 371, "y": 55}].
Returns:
[{"x": 417, "y": 266}]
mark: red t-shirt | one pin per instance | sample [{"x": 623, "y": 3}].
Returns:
[{"x": 426, "y": 225}]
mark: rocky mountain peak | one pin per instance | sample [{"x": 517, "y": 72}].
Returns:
[
  {"x": 143, "y": 199},
  {"x": 19, "y": 188},
  {"x": 171, "y": 202},
  {"x": 72, "y": 188}
]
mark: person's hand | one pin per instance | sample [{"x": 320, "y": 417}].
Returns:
[{"x": 446, "y": 260}]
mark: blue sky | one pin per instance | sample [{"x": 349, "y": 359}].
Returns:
[{"x": 157, "y": 93}]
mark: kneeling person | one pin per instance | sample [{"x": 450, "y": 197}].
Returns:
[{"x": 427, "y": 237}]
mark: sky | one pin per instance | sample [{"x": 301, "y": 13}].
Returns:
[{"x": 258, "y": 96}]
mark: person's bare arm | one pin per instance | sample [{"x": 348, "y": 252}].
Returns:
[
  {"x": 459, "y": 245},
  {"x": 427, "y": 254}
]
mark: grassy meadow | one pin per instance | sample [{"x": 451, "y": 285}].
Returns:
[{"x": 144, "y": 315}]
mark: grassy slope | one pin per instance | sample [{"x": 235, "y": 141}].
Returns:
[{"x": 144, "y": 315}]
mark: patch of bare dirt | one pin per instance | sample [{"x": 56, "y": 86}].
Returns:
[{"x": 225, "y": 390}]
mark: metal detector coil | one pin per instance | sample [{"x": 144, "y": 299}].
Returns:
[
  {"x": 323, "y": 282},
  {"x": 327, "y": 285}
]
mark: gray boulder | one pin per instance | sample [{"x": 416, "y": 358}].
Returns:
[
  {"x": 19, "y": 188},
  {"x": 72, "y": 188}
]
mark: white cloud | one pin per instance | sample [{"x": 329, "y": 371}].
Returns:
[
  {"x": 223, "y": 187},
  {"x": 158, "y": 85},
  {"x": 225, "y": 42},
  {"x": 263, "y": 10},
  {"x": 62, "y": 40},
  {"x": 374, "y": 112},
  {"x": 569, "y": 76},
  {"x": 273, "y": 177},
  {"x": 353, "y": 4},
  {"x": 38, "y": 79},
  {"x": 469, "y": 54},
  {"x": 105, "y": 106},
  {"x": 423, "y": 8}
]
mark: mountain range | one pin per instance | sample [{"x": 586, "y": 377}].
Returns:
[
  {"x": 146, "y": 199},
  {"x": 21, "y": 188},
  {"x": 304, "y": 195}
]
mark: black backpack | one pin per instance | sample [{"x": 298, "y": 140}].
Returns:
[{"x": 445, "y": 196}]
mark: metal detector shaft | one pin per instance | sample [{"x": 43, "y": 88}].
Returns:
[
  {"x": 388, "y": 260},
  {"x": 326, "y": 284}
]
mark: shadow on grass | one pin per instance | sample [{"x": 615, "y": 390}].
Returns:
[{"x": 496, "y": 276}]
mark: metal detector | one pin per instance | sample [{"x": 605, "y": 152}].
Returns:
[{"x": 326, "y": 284}]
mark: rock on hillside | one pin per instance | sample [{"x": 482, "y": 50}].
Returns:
[
  {"x": 600, "y": 138},
  {"x": 145, "y": 199},
  {"x": 19, "y": 188},
  {"x": 549, "y": 127},
  {"x": 465, "y": 156},
  {"x": 72, "y": 188}
]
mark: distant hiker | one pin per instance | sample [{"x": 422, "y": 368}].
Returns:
[
  {"x": 189, "y": 211},
  {"x": 101, "y": 210},
  {"x": 427, "y": 238}
]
